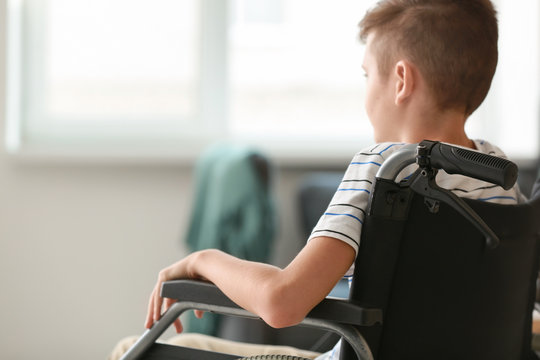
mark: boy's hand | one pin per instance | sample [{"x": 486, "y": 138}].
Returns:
[{"x": 157, "y": 304}]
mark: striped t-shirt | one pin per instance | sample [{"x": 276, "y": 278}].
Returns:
[{"x": 344, "y": 216}]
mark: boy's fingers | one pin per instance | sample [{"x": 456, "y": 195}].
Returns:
[
  {"x": 158, "y": 301},
  {"x": 168, "y": 303},
  {"x": 177, "y": 323},
  {"x": 178, "y": 326},
  {"x": 150, "y": 313}
]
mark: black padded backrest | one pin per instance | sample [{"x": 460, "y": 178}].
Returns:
[
  {"x": 450, "y": 292},
  {"x": 441, "y": 288}
]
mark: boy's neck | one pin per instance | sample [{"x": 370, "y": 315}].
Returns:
[
  {"x": 445, "y": 126},
  {"x": 449, "y": 126},
  {"x": 449, "y": 134}
]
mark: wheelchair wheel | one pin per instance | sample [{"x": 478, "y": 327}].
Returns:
[{"x": 273, "y": 357}]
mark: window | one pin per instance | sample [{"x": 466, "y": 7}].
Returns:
[
  {"x": 301, "y": 63},
  {"x": 170, "y": 76},
  {"x": 107, "y": 69},
  {"x": 510, "y": 115}
]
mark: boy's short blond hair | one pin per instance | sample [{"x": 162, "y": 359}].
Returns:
[{"x": 453, "y": 43}]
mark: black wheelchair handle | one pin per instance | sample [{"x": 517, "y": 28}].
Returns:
[{"x": 458, "y": 160}]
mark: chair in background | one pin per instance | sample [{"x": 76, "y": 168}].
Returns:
[
  {"x": 436, "y": 276},
  {"x": 314, "y": 194},
  {"x": 233, "y": 211}
]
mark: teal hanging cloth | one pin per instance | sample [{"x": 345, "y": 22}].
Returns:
[{"x": 233, "y": 210}]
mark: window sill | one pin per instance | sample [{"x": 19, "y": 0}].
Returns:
[
  {"x": 289, "y": 153},
  {"x": 285, "y": 153}
]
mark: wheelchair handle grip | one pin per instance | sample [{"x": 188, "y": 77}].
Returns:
[{"x": 458, "y": 160}]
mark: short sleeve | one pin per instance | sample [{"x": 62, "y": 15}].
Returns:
[{"x": 344, "y": 217}]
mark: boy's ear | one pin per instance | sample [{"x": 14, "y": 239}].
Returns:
[{"x": 404, "y": 81}]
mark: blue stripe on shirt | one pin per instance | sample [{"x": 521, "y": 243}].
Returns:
[
  {"x": 408, "y": 176},
  {"x": 499, "y": 197},
  {"x": 364, "y": 190},
  {"x": 354, "y": 217},
  {"x": 366, "y": 163},
  {"x": 388, "y": 147}
]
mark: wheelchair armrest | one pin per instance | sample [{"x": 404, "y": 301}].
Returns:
[
  {"x": 345, "y": 312},
  {"x": 196, "y": 291},
  {"x": 338, "y": 316},
  {"x": 330, "y": 309}
]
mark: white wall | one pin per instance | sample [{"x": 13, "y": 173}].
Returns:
[{"x": 79, "y": 251}]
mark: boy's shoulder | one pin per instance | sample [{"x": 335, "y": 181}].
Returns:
[
  {"x": 384, "y": 149},
  {"x": 381, "y": 150},
  {"x": 488, "y": 148}
]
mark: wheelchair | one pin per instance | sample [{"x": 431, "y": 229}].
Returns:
[{"x": 436, "y": 276}]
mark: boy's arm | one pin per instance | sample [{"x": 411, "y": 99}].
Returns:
[{"x": 281, "y": 297}]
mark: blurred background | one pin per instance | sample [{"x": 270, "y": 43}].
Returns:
[{"x": 107, "y": 105}]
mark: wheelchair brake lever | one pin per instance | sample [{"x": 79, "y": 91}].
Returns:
[{"x": 423, "y": 182}]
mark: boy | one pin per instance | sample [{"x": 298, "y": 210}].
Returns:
[{"x": 429, "y": 65}]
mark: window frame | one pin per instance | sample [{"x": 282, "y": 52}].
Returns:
[{"x": 213, "y": 90}]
